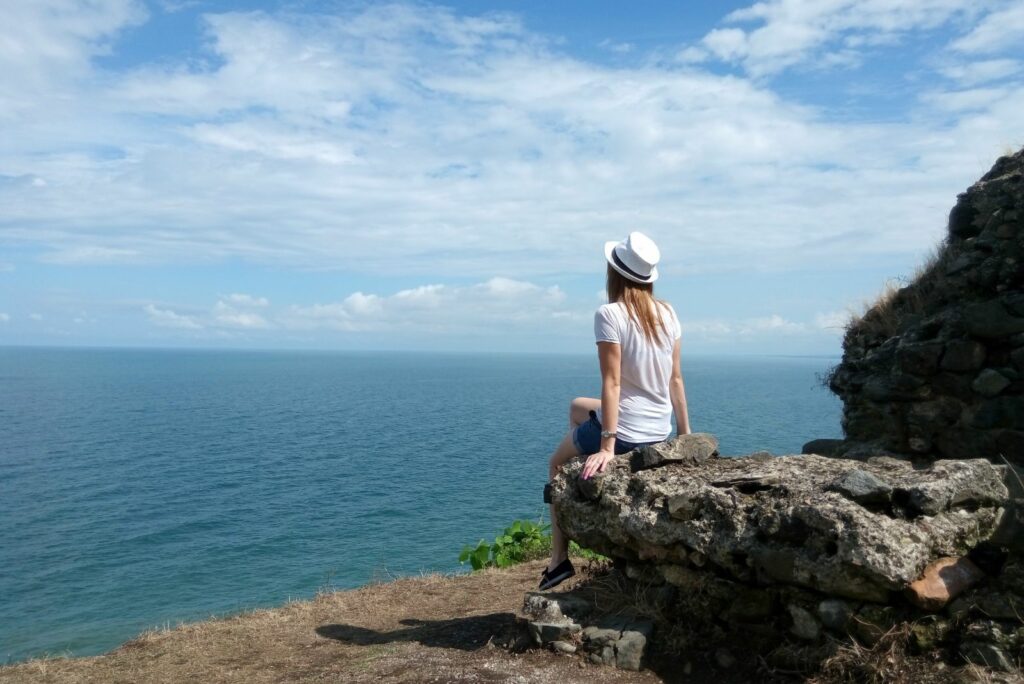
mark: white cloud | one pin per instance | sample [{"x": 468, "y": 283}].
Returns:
[
  {"x": 240, "y": 299},
  {"x": 983, "y": 71},
  {"x": 771, "y": 325},
  {"x": 241, "y": 319},
  {"x": 410, "y": 140},
  {"x": 1002, "y": 29},
  {"x": 36, "y": 316},
  {"x": 166, "y": 318},
  {"x": 499, "y": 304},
  {"x": 90, "y": 254},
  {"x": 825, "y": 32},
  {"x": 235, "y": 312},
  {"x": 4, "y": 317}
]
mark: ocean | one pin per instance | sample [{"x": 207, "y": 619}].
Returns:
[{"x": 143, "y": 488}]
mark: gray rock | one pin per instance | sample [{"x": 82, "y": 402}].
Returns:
[
  {"x": 920, "y": 358},
  {"x": 824, "y": 447},
  {"x": 590, "y": 488},
  {"x": 804, "y": 624},
  {"x": 963, "y": 355},
  {"x": 563, "y": 647},
  {"x": 546, "y": 632},
  {"x": 629, "y": 650},
  {"x": 990, "y": 382},
  {"x": 692, "y": 449},
  {"x": 777, "y": 520},
  {"x": 991, "y": 320},
  {"x": 862, "y": 487},
  {"x": 835, "y": 614}
]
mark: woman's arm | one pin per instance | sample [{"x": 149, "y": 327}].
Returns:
[
  {"x": 678, "y": 393},
  {"x": 610, "y": 356}
]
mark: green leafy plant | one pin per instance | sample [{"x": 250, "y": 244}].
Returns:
[
  {"x": 521, "y": 541},
  {"x": 586, "y": 554}
]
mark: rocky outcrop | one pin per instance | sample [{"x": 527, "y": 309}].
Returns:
[
  {"x": 935, "y": 369},
  {"x": 797, "y": 546},
  {"x": 858, "y": 530}
]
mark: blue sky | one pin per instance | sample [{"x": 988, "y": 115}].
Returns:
[{"x": 340, "y": 175}]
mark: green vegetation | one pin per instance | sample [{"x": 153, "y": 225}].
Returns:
[{"x": 523, "y": 540}]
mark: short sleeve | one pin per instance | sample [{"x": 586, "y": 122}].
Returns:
[
  {"x": 606, "y": 328},
  {"x": 674, "y": 327}
]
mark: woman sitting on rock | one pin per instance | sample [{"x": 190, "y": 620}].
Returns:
[{"x": 641, "y": 382}]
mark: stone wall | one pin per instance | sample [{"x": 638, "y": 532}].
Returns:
[
  {"x": 935, "y": 369},
  {"x": 792, "y": 548}
]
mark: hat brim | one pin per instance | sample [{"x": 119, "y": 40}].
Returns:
[{"x": 609, "y": 250}]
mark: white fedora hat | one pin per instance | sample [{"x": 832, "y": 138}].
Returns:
[{"x": 634, "y": 258}]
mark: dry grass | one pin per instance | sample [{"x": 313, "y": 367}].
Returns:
[
  {"x": 881, "y": 317},
  {"x": 432, "y": 628},
  {"x": 442, "y": 628}
]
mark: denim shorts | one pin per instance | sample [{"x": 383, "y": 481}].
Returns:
[{"x": 587, "y": 438}]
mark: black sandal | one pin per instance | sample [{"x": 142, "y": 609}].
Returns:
[{"x": 562, "y": 572}]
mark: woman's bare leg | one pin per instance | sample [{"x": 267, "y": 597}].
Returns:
[
  {"x": 580, "y": 408},
  {"x": 559, "y": 544}
]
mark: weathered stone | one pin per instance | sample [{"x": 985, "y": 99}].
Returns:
[
  {"x": 563, "y": 647},
  {"x": 989, "y": 604},
  {"x": 963, "y": 355},
  {"x": 547, "y": 632},
  {"x": 692, "y": 449},
  {"x": 630, "y": 647},
  {"x": 824, "y": 447},
  {"x": 990, "y": 382},
  {"x": 896, "y": 387},
  {"x": 942, "y": 581},
  {"x": 555, "y": 606},
  {"x": 920, "y": 358},
  {"x": 775, "y": 520},
  {"x": 835, "y": 614},
  {"x": 991, "y": 320},
  {"x": 590, "y": 488},
  {"x": 926, "y": 636},
  {"x": 862, "y": 487},
  {"x": 804, "y": 624}
]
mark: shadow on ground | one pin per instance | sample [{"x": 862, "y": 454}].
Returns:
[{"x": 465, "y": 633}]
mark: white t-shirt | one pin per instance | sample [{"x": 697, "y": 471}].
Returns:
[{"x": 645, "y": 407}]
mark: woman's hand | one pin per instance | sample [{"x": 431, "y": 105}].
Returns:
[{"x": 596, "y": 464}]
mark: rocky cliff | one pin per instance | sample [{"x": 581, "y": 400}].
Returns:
[{"x": 935, "y": 369}]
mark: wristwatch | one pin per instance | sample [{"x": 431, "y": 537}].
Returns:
[{"x": 605, "y": 433}]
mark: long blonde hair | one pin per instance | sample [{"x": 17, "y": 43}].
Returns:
[{"x": 640, "y": 303}]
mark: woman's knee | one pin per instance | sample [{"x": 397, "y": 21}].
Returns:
[{"x": 580, "y": 408}]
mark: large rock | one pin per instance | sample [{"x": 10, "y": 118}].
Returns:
[
  {"x": 951, "y": 339},
  {"x": 850, "y": 529}
]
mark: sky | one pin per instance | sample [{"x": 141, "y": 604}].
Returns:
[{"x": 420, "y": 176}]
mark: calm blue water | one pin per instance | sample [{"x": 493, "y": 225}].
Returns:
[{"x": 140, "y": 488}]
